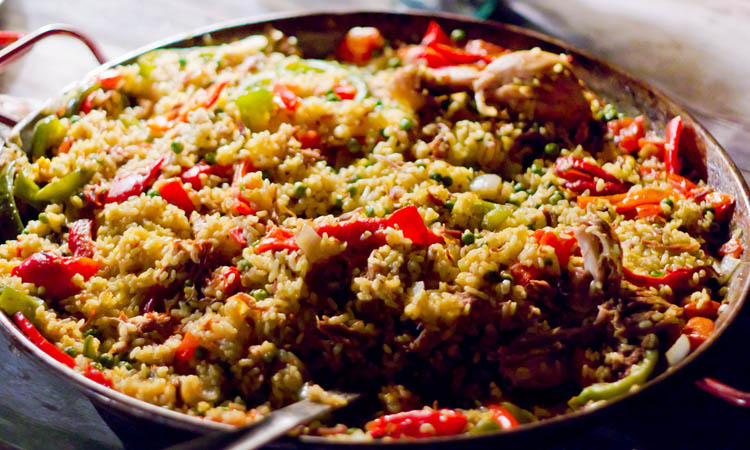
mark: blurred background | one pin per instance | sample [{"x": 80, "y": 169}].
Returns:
[{"x": 697, "y": 52}]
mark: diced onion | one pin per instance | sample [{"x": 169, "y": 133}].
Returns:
[
  {"x": 309, "y": 242},
  {"x": 486, "y": 185},
  {"x": 727, "y": 267},
  {"x": 679, "y": 350}
]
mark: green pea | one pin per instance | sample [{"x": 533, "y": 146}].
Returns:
[
  {"x": 210, "y": 158},
  {"x": 300, "y": 190},
  {"x": 125, "y": 364},
  {"x": 406, "y": 124},
  {"x": 436, "y": 176},
  {"x": 188, "y": 283},
  {"x": 656, "y": 273},
  {"x": 369, "y": 211},
  {"x": 259, "y": 294},
  {"x": 182, "y": 62},
  {"x": 609, "y": 112},
  {"x": 394, "y": 62},
  {"x": 668, "y": 202},
  {"x": 351, "y": 190},
  {"x": 536, "y": 169},
  {"x": 447, "y": 181},
  {"x": 107, "y": 360},
  {"x": 244, "y": 264},
  {"x": 70, "y": 351},
  {"x": 450, "y": 204},
  {"x": 556, "y": 197},
  {"x": 96, "y": 365},
  {"x": 551, "y": 149},
  {"x": 91, "y": 332},
  {"x": 468, "y": 237},
  {"x": 709, "y": 209},
  {"x": 518, "y": 187},
  {"x": 177, "y": 147},
  {"x": 458, "y": 35},
  {"x": 339, "y": 203},
  {"x": 43, "y": 218},
  {"x": 505, "y": 275},
  {"x": 353, "y": 145},
  {"x": 332, "y": 97},
  {"x": 153, "y": 193}
]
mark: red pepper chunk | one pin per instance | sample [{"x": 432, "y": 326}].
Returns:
[
  {"x": 276, "y": 240},
  {"x": 681, "y": 184},
  {"x": 708, "y": 308},
  {"x": 173, "y": 192},
  {"x": 186, "y": 349},
  {"x": 678, "y": 279},
  {"x": 110, "y": 80},
  {"x": 524, "y": 275},
  {"x": 731, "y": 247},
  {"x": 286, "y": 97},
  {"x": 80, "y": 242},
  {"x": 723, "y": 205},
  {"x": 309, "y": 139},
  {"x": 627, "y": 131},
  {"x": 672, "y": 162},
  {"x": 231, "y": 280},
  {"x": 571, "y": 169},
  {"x": 97, "y": 376},
  {"x": 698, "y": 330},
  {"x": 581, "y": 186},
  {"x": 55, "y": 273},
  {"x": 43, "y": 344},
  {"x": 419, "y": 423},
  {"x": 238, "y": 235},
  {"x": 345, "y": 91},
  {"x": 563, "y": 245},
  {"x": 435, "y": 35},
  {"x": 193, "y": 174},
  {"x": 410, "y": 223},
  {"x": 126, "y": 186},
  {"x": 429, "y": 55},
  {"x": 503, "y": 417}
]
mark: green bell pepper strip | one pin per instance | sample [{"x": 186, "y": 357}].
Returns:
[
  {"x": 484, "y": 426},
  {"x": 255, "y": 108},
  {"x": 74, "y": 106},
  {"x": 88, "y": 347},
  {"x": 522, "y": 415},
  {"x": 13, "y": 301},
  {"x": 48, "y": 132},
  {"x": 495, "y": 217},
  {"x": 321, "y": 66},
  {"x": 639, "y": 373},
  {"x": 60, "y": 190},
  {"x": 362, "y": 89},
  {"x": 10, "y": 220},
  {"x": 25, "y": 189}
]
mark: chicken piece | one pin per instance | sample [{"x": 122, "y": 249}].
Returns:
[
  {"x": 538, "y": 84},
  {"x": 602, "y": 256}
]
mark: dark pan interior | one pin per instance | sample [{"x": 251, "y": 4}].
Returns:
[{"x": 318, "y": 33}]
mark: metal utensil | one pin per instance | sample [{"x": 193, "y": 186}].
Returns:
[{"x": 269, "y": 429}]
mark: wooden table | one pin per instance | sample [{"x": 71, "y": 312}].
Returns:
[{"x": 695, "y": 51}]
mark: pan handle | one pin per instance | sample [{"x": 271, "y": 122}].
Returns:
[
  {"x": 19, "y": 43},
  {"x": 724, "y": 392}
]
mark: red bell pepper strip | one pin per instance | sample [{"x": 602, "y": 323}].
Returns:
[
  {"x": 698, "y": 330},
  {"x": 50, "y": 349},
  {"x": 672, "y": 162},
  {"x": 731, "y": 247},
  {"x": 193, "y": 174},
  {"x": 238, "y": 234},
  {"x": 429, "y": 55},
  {"x": 406, "y": 219},
  {"x": 231, "y": 279},
  {"x": 503, "y": 417},
  {"x": 723, "y": 205},
  {"x": 457, "y": 55},
  {"x": 80, "y": 242},
  {"x": 435, "y": 35},
  {"x": 563, "y": 245},
  {"x": 186, "y": 349},
  {"x": 125, "y": 186},
  {"x": 644, "y": 196},
  {"x": 215, "y": 93},
  {"x": 173, "y": 192},
  {"x": 345, "y": 91},
  {"x": 309, "y": 139},
  {"x": 276, "y": 240},
  {"x": 580, "y": 186},
  {"x": 442, "y": 422},
  {"x": 577, "y": 166},
  {"x": 584, "y": 200},
  {"x": 55, "y": 272},
  {"x": 681, "y": 184},
  {"x": 110, "y": 79},
  {"x": 650, "y": 210},
  {"x": 240, "y": 170},
  {"x": 707, "y": 308},
  {"x": 678, "y": 279},
  {"x": 43, "y": 344},
  {"x": 243, "y": 207},
  {"x": 627, "y": 131},
  {"x": 286, "y": 98}
]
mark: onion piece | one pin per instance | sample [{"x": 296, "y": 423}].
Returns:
[
  {"x": 679, "y": 350},
  {"x": 486, "y": 185},
  {"x": 727, "y": 267},
  {"x": 309, "y": 241}
]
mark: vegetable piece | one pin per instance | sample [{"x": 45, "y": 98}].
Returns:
[
  {"x": 110, "y": 79},
  {"x": 638, "y": 374},
  {"x": 173, "y": 192},
  {"x": 495, "y": 217},
  {"x": 584, "y": 200},
  {"x": 698, "y": 330},
  {"x": 435, "y": 35},
  {"x": 255, "y": 108},
  {"x": 678, "y": 351},
  {"x": 276, "y": 240},
  {"x": 651, "y": 210},
  {"x": 673, "y": 131},
  {"x": 13, "y": 301},
  {"x": 677, "y": 279},
  {"x": 723, "y": 205},
  {"x": 193, "y": 174},
  {"x": 567, "y": 163},
  {"x": 231, "y": 281},
  {"x": 76, "y": 103},
  {"x": 732, "y": 247},
  {"x": 563, "y": 245},
  {"x": 522, "y": 415},
  {"x": 62, "y": 189},
  {"x": 186, "y": 349},
  {"x": 238, "y": 234},
  {"x": 486, "y": 185},
  {"x": 406, "y": 219},
  {"x": 418, "y": 423},
  {"x": 48, "y": 132},
  {"x": 286, "y": 98},
  {"x": 214, "y": 94},
  {"x": 703, "y": 308},
  {"x": 429, "y": 55},
  {"x": 25, "y": 189},
  {"x": 345, "y": 91},
  {"x": 55, "y": 273},
  {"x": 97, "y": 376},
  {"x": 681, "y": 184},
  {"x": 10, "y": 220},
  {"x": 523, "y": 275},
  {"x": 80, "y": 241},
  {"x": 627, "y": 131},
  {"x": 43, "y": 344},
  {"x": 456, "y": 55},
  {"x": 309, "y": 139},
  {"x": 359, "y": 43},
  {"x": 125, "y": 186},
  {"x": 243, "y": 207},
  {"x": 641, "y": 197},
  {"x": 581, "y": 186},
  {"x": 504, "y": 418},
  {"x": 485, "y": 426}
]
